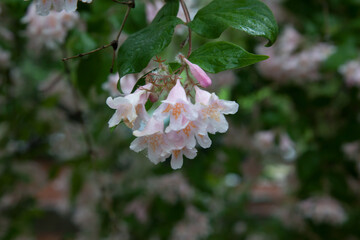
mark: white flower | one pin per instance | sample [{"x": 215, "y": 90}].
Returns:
[
  {"x": 351, "y": 73},
  {"x": 111, "y": 85},
  {"x": 48, "y": 31},
  {"x": 128, "y": 107},
  {"x": 177, "y": 156},
  {"x": 43, "y": 7},
  {"x": 187, "y": 137},
  {"x": 178, "y": 107},
  {"x": 153, "y": 138},
  {"x": 212, "y": 109}
]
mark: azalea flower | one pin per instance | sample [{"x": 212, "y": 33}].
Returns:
[
  {"x": 178, "y": 107},
  {"x": 153, "y": 138},
  {"x": 212, "y": 109}
]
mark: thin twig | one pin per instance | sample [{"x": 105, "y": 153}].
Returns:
[
  {"x": 187, "y": 16},
  {"x": 87, "y": 53},
  {"x": 114, "y": 44},
  {"x": 86, "y": 134}
]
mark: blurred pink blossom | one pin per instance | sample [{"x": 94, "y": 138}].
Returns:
[
  {"x": 286, "y": 64},
  {"x": 323, "y": 210},
  {"x": 351, "y": 72},
  {"x": 172, "y": 187},
  {"x": 194, "y": 226},
  {"x": 47, "y": 31},
  {"x": 43, "y": 7},
  {"x": 111, "y": 85}
]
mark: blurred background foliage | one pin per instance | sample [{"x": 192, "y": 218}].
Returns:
[{"x": 288, "y": 168}]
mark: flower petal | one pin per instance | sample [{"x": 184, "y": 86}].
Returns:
[
  {"x": 43, "y": 7},
  {"x": 176, "y": 93},
  {"x": 203, "y": 140},
  {"x": 58, "y": 5},
  {"x": 176, "y": 159},
  {"x": 138, "y": 144},
  {"x": 190, "y": 153},
  {"x": 153, "y": 126},
  {"x": 202, "y": 96},
  {"x": 115, "y": 119},
  {"x": 70, "y": 5}
]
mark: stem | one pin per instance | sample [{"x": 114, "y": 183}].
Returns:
[
  {"x": 187, "y": 16},
  {"x": 115, "y": 43},
  {"x": 84, "y": 130},
  {"x": 87, "y": 53}
]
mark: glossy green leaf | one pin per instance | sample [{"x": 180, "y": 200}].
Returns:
[
  {"x": 171, "y": 8},
  {"x": 215, "y": 57},
  {"x": 136, "y": 52},
  {"x": 250, "y": 16}
]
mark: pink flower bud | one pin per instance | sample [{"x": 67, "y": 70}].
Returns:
[
  {"x": 153, "y": 97},
  {"x": 199, "y": 74}
]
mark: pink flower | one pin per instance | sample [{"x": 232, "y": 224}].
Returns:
[
  {"x": 128, "y": 82},
  {"x": 111, "y": 85},
  {"x": 198, "y": 73},
  {"x": 187, "y": 137},
  {"x": 152, "y": 137},
  {"x": 351, "y": 73},
  {"x": 178, "y": 107},
  {"x": 177, "y": 156},
  {"x": 43, "y": 6},
  {"x": 212, "y": 109},
  {"x": 47, "y": 31},
  {"x": 128, "y": 107}
]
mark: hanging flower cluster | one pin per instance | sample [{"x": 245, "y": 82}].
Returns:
[
  {"x": 48, "y": 31},
  {"x": 43, "y": 7},
  {"x": 173, "y": 126}
]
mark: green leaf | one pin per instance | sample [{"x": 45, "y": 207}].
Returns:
[
  {"x": 215, "y": 57},
  {"x": 171, "y": 8},
  {"x": 93, "y": 71},
  {"x": 250, "y": 16},
  {"x": 136, "y": 52},
  {"x": 141, "y": 81}
]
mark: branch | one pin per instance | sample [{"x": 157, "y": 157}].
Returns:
[
  {"x": 115, "y": 43},
  {"x": 87, "y": 53},
  {"x": 78, "y": 110},
  {"x": 187, "y": 16}
]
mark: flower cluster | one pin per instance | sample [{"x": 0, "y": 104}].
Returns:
[
  {"x": 289, "y": 61},
  {"x": 351, "y": 72},
  {"x": 323, "y": 209},
  {"x": 173, "y": 126},
  {"x": 43, "y": 7},
  {"x": 48, "y": 30}
]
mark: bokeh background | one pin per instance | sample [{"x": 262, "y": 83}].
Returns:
[{"x": 288, "y": 168}]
